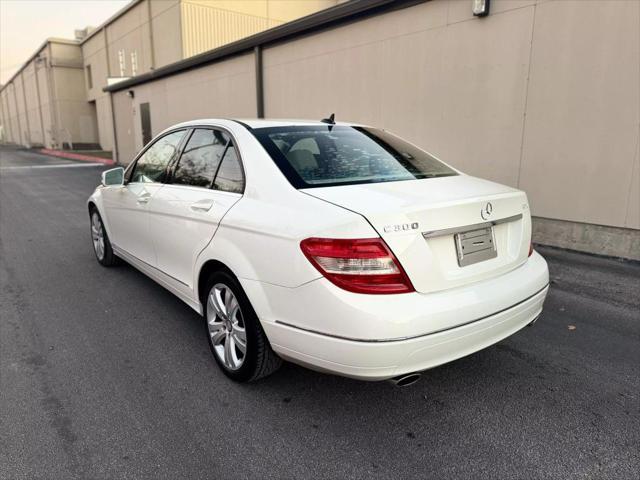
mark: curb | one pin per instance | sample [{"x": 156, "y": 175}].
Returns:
[{"x": 76, "y": 156}]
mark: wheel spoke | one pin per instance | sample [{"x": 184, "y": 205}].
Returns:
[
  {"x": 230, "y": 303},
  {"x": 233, "y": 311},
  {"x": 228, "y": 352},
  {"x": 217, "y": 336},
  {"x": 215, "y": 297},
  {"x": 240, "y": 339}
]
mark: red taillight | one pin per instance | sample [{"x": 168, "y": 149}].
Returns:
[
  {"x": 530, "y": 248},
  {"x": 363, "y": 265}
]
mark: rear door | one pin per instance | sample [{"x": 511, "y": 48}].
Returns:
[
  {"x": 205, "y": 183},
  {"x": 127, "y": 206}
]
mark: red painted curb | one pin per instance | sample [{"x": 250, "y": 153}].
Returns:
[{"x": 76, "y": 156}]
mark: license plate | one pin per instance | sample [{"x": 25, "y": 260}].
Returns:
[{"x": 475, "y": 246}]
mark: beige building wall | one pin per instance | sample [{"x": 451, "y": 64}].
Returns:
[
  {"x": 73, "y": 115},
  {"x": 13, "y": 122},
  {"x": 18, "y": 98},
  {"x": 225, "y": 89},
  {"x": 94, "y": 56},
  {"x": 35, "y": 119},
  {"x": 542, "y": 95},
  {"x": 126, "y": 46},
  {"x": 167, "y": 32},
  {"x": 148, "y": 34},
  {"x": 42, "y": 76},
  {"x": 583, "y": 112},
  {"x": 207, "y": 24},
  {"x": 45, "y": 101}
]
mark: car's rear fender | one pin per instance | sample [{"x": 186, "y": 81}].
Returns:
[{"x": 260, "y": 240}]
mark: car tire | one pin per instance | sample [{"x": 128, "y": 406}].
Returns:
[
  {"x": 232, "y": 326},
  {"x": 100, "y": 240}
]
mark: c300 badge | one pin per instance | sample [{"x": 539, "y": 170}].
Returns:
[{"x": 401, "y": 227}]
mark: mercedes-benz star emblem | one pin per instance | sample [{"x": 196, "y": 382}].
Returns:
[{"x": 485, "y": 213}]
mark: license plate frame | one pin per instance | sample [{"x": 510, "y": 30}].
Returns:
[{"x": 474, "y": 246}]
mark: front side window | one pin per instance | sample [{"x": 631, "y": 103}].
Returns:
[
  {"x": 322, "y": 156},
  {"x": 152, "y": 165},
  {"x": 201, "y": 158}
]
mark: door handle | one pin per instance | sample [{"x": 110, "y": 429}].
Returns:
[
  {"x": 202, "y": 206},
  {"x": 144, "y": 198}
]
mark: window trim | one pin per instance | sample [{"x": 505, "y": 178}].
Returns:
[
  {"x": 232, "y": 139},
  {"x": 131, "y": 167}
]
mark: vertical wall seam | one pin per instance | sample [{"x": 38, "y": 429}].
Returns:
[
  {"x": 526, "y": 96},
  {"x": 636, "y": 154},
  {"x": 5, "y": 105},
  {"x": 634, "y": 162},
  {"x": 182, "y": 11},
  {"x": 39, "y": 99},
  {"x": 106, "y": 50},
  {"x": 151, "y": 45},
  {"x": 26, "y": 109},
  {"x": 53, "y": 102},
  {"x": 15, "y": 102}
]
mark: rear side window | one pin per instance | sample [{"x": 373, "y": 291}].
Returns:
[
  {"x": 152, "y": 165},
  {"x": 201, "y": 158},
  {"x": 230, "y": 177},
  {"x": 322, "y": 156}
]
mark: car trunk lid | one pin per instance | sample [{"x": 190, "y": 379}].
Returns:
[{"x": 428, "y": 224}]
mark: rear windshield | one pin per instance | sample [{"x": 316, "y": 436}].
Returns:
[{"x": 323, "y": 156}]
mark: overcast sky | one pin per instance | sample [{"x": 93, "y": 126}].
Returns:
[{"x": 25, "y": 24}]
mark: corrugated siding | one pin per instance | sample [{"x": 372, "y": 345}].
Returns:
[{"x": 205, "y": 28}]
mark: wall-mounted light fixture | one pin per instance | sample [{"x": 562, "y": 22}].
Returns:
[
  {"x": 480, "y": 7},
  {"x": 131, "y": 93}
]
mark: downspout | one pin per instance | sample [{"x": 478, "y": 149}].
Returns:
[
  {"x": 114, "y": 153},
  {"x": 257, "y": 50},
  {"x": 153, "y": 52}
]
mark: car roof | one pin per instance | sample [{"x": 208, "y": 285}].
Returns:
[{"x": 258, "y": 122}]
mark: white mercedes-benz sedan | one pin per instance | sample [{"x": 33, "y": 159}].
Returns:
[{"x": 336, "y": 246}]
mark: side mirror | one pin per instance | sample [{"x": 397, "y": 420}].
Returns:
[{"x": 113, "y": 177}]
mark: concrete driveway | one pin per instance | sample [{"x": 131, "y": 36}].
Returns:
[{"x": 104, "y": 374}]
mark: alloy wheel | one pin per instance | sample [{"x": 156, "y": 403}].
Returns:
[
  {"x": 97, "y": 235},
  {"x": 226, "y": 326}
]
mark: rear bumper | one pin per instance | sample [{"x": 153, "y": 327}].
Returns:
[
  {"x": 375, "y": 337},
  {"x": 381, "y": 360}
]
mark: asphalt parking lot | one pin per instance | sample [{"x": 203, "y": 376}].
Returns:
[{"x": 105, "y": 375}]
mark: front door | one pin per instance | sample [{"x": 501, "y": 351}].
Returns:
[
  {"x": 185, "y": 213},
  {"x": 127, "y": 206}
]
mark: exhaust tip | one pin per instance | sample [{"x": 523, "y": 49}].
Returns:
[
  {"x": 405, "y": 380},
  {"x": 533, "y": 321}
]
